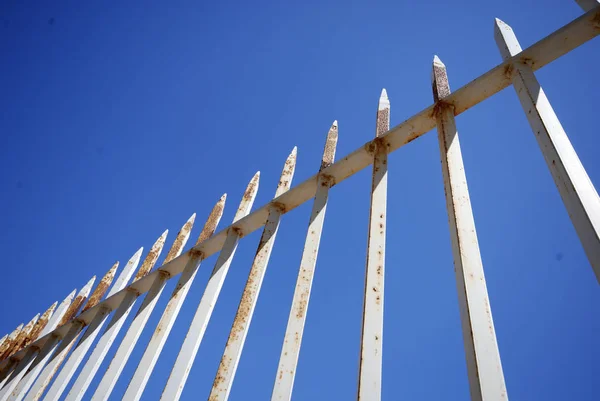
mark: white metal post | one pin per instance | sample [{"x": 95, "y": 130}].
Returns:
[
  {"x": 371, "y": 347},
  {"x": 571, "y": 179},
  {"x": 170, "y": 313},
  {"x": 484, "y": 367},
  {"x": 241, "y": 323},
  {"x": 20, "y": 339},
  {"x": 105, "y": 342},
  {"x": 93, "y": 329},
  {"x": 47, "y": 373},
  {"x": 286, "y": 372},
  {"x": 20, "y": 372},
  {"x": 42, "y": 359},
  {"x": 189, "y": 349}
]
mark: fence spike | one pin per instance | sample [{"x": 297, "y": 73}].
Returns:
[
  {"x": 77, "y": 302},
  {"x": 371, "y": 346},
  {"x": 237, "y": 336},
  {"x": 288, "y": 360},
  {"x": 101, "y": 288},
  {"x": 38, "y": 364},
  {"x": 18, "y": 343},
  {"x": 20, "y": 368},
  {"x": 41, "y": 382},
  {"x": 181, "y": 239},
  {"x": 103, "y": 345},
  {"x": 84, "y": 343},
  {"x": 213, "y": 220},
  {"x": 165, "y": 324},
  {"x": 574, "y": 185},
  {"x": 40, "y": 325},
  {"x": 152, "y": 256},
  {"x": 481, "y": 348},
  {"x": 12, "y": 337},
  {"x": 185, "y": 358}
]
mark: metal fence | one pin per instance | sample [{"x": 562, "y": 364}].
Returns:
[{"x": 40, "y": 359}]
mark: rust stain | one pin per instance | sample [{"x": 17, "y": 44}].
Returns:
[
  {"x": 251, "y": 188},
  {"x": 383, "y": 122},
  {"x": 101, "y": 288},
  {"x": 181, "y": 239},
  {"x": 441, "y": 87},
  {"x": 40, "y": 325},
  {"x": 287, "y": 174},
  {"x": 213, "y": 220},
  {"x": 18, "y": 343},
  {"x": 72, "y": 310},
  {"x": 330, "y": 146},
  {"x": 246, "y": 201},
  {"x": 8, "y": 343},
  {"x": 152, "y": 257}
]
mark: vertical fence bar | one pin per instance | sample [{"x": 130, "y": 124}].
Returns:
[
  {"x": 41, "y": 360},
  {"x": 288, "y": 360},
  {"x": 40, "y": 325},
  {"x": 166, "y": 322},
  {"x": 189, "y": 349},
  {"x": 571, "y": 179},
  {"x": 241, "y": 323},
  {"x": 10, "y": 340},
  {"x": 8, "y": 364},
  {"x": 47, "y": 373},
  {"x": 121, "y": 312},
  {"x": 34, "y": 335},
  {"x": 484, "y": 367},
  {"x": 32, "y": 354},
  {"x": 371, "y": 347},
  {"x": 93, "y": 363},
  {"x": 18, "y": 343},
  {"x": 588, "y": 5}
]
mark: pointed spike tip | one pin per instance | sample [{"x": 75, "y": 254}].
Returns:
[
  {"x": 384, "y": 101},
  {"x": 294, "y": 151},
  {"x": 89, "y": 283},
  {"x": 500, "y": 27},
  {"x": 437, "y": 61}
]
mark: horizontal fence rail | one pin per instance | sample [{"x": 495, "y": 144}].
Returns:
[{"x": 39, "y": 359}]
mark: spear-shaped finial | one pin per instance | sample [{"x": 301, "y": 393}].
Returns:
[
  {"x": 383, "y": 114},
  {"x": 506, "y": 39},
  {"x": 10, "y": 340},
  {"x": 101, "y": 288},
  {"x": 248, "y": 198},
  {"x": 18, "y": 343},
  {"x": 152, "y": 256},
  {"x": 126, "y": 273},
  {"x": 330, "y": 146},
  {"x": 78, "y": 302},
  {"x": 439, "y": 80},
  {"x": 40, "y": 324},
  {"x": 181, "y": 239},
  {"x": 287, "y": 174},
  {"x": 58, "y": 315},
  {"x": 213, "y": 220}
]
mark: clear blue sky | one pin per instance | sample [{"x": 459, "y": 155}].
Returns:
[{"x": 119, "y": 121}]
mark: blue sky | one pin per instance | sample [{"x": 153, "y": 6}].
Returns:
[{"x": 119, "y": 121}]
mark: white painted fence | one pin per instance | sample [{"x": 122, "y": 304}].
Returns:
[{"x": 38, "y": 360}]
